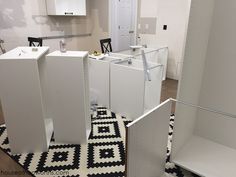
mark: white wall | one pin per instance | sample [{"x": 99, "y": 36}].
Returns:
[
  {"x": 29, "y": 18},
  {"x": 146, "y": 5},
  {"x": 175, "y": 15}
]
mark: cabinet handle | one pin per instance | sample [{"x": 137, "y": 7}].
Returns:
[{"x": 68, "y": 13}]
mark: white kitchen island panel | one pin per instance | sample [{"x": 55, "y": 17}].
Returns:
[
  {"x": 22, "y": 93},
  {"x": 69, "y": 92}
]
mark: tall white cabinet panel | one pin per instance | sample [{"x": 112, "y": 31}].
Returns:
[
  {"x": 66, "y": 7},
  {"x": 69, "y": 87},
  {"x": 23, "y": 90},
  {"x": 202, "y": 139}
]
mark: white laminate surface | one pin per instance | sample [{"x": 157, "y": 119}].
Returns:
[
  {"x": 206, "y": 158},
  {"x": 24, "y": 53},
  {"x": 69, "y": 54}
]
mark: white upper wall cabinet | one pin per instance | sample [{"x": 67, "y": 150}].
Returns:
[{"x": 66, "y": 7}]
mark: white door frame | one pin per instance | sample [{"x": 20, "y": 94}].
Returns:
[{"x": 113, "y": 24}]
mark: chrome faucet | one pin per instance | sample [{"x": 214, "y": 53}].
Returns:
[
  {"x": 62, "y": 46},
  {"x": 1, "y": 46}
]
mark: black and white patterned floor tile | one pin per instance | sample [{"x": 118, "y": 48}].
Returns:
[{"x": 103, "y": 156}]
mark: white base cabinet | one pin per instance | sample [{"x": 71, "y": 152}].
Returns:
[
  {"x": 99, "y": 78},
  {"x": 131, "y": 93},
  {"x": 69, "y": 91},
  {"x": 154, "y": 55},
  {"x": 23, "y": 93}
]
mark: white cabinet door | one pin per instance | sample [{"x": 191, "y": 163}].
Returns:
[
  {"x": 66, "y": 7},
  {"x": 77, "y": 7},
  {"x": 125, "y": 24},
  {"x": 61, "y": 7}
]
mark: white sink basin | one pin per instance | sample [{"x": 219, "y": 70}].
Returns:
[{"x": 69, "y": 54}]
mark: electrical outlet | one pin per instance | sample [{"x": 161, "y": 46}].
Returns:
[{"x": 164, "y": 27}]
